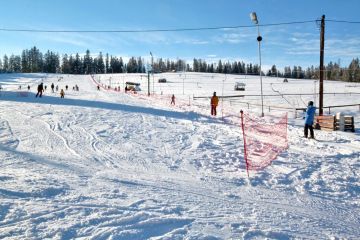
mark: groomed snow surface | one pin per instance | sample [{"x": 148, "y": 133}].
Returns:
[{"x": 109, "y": 165}]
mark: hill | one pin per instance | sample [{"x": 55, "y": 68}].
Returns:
[{"x": 109, "y": 165}]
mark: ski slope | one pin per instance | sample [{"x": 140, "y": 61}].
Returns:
[{"x": 109, "y": 165}]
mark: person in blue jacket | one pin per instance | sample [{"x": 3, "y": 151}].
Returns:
[{"x": 309, "y": 120}]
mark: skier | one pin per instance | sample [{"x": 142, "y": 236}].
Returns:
[
  {"x": 40, "y": 90},
  {"x": 66, "y": 87},
  {"x": 214, "y": 102},
  {"x": 57, "y": 88},
  {"x": 173, "y": 99},
  {"x": 28, "y": 87},
  {"x": 62, "y": 93},
  {"x": 309, "y": 120},
  {"x": 52, "y": 87}
]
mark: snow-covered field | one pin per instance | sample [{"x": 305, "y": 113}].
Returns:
[{"x": 110, "y": 165}]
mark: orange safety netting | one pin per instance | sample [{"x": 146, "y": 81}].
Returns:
[{"x": 264, "y": 139}]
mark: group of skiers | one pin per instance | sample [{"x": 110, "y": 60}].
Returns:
[
  {"x": 309, "y": 112},
  {"x": 41, "y": 88}
]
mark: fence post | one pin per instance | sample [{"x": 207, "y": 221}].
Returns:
[
  {"x": 244, "y": 139},
  {"x": 329, "y": 110}
]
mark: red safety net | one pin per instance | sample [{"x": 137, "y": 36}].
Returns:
[{"x": 264, "y": 139}]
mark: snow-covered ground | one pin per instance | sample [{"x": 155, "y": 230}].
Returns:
[{"x": 109, "y": 165}]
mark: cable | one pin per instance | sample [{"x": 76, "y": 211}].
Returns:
[
  {"x": 153, "y": 30},
  {"x": 171, "y": 30},
  {"x": 341, "y": 21}
]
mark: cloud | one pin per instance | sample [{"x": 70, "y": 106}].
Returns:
[
  {"x": 346, "y": 46},
  {"x": 72, "y": 39},
  {"x": 234, "y": 36}
]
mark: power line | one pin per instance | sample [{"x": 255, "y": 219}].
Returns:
[
  {"x": 173, "y": 29},
  {"x": 154, "y": 30},
  {"x": 341, "y": 21}
]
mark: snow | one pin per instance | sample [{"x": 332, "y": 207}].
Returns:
[{"x": 109, "y": 165}]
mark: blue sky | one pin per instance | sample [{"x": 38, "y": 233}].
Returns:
[{"x": 285, "y": 45}]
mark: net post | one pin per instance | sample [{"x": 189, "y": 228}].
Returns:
[{"x": 245, "y": 152}]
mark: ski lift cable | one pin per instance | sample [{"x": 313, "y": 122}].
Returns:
[{"x": 154, "y": 30}]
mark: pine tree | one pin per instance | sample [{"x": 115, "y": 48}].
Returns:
[
  {"x": 87, "y": 62},
  {"x": 219, "y": 68},
  {"x": 6, "y": 64},
  {"x": 25, "y": 68},
  {"x": 100, "y": 63},
  {"x": 354, "y": 71},
  {"x": 107, "y": 69},
  {"x": 35, "y": 60},
  {"x": 273, "y": 71},
  {"x": 132, "y": 65},
  {"x": 121, "y": 65},
  {"x": 65, "y": 67}
]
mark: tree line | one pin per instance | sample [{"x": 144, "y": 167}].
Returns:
[
  {"x": 33, "y": 60},
  {"x": 332, "y": 71}
]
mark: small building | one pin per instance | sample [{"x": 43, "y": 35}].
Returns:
[
  {"x": 239, "y": 86},
  {"x": 133, "y": 86}
]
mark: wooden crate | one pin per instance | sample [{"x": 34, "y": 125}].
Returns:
[
  {"x": 325, "y": 123},
  {"x": 349, "y": 123}
]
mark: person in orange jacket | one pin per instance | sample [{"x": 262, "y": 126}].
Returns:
[
  {"x": 62, "y": 93},
  {"x": 214, "y": 103}
]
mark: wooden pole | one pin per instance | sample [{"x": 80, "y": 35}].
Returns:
[{"x": 321, "y": 87}]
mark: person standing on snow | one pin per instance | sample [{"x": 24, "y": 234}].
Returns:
[
  {"x": 214, "y": 102},
  {"x": 172, "y": 99},
  {"x": 40, "y": 90},
  {"x": 52, "y": 87},
  {"x": 309, "y": 120},
  {"x": 62, "y": 93}
]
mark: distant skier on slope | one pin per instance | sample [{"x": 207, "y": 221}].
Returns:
[
  {"x": 214, "y": 102},
  {"x": 62, "y": 93},
  {"x": 172, "y": 99},
  {"x": 309, "y": 120},
  {"x": 40, "y": 90},
  {"x": 52, "y": 87}
]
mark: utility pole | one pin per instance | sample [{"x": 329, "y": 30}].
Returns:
[{"x": 321, "y": 86}]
